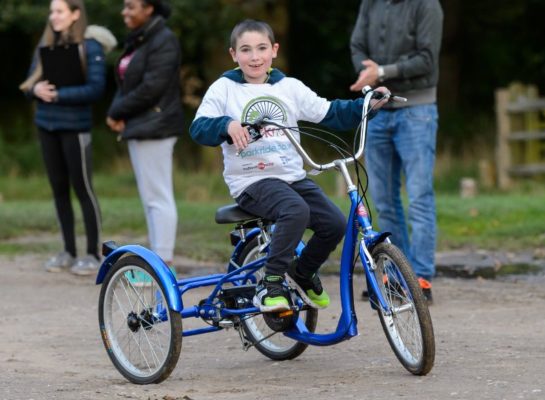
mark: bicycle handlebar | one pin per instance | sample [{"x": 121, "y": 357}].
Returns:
[
  {"x": 369, "y": 94},
  {"x": 254, "y": 129}
]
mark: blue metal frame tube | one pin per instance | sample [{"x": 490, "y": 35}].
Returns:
[{"x": 347, "y": 325}]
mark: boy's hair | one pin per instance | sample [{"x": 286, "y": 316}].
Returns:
[{"x": 251, "y": 25}]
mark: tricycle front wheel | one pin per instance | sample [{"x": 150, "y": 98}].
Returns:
[
  {"x": 406, "y": 320},
  {"x": 142, "y": 336}
]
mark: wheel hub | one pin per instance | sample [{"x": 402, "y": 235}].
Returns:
[
  {"x": 133, "y": 322},
  {"x": 144, "y": 320}
]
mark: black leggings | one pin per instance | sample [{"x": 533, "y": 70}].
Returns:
[{"x": 67, "y": 158}]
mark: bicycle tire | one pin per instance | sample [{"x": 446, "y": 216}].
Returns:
[
  {"x": 278, "y": 347},
  {"x": 409, "y": 328},
  {"x": 142, "y": 336}
]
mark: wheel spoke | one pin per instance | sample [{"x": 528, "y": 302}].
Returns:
[
  {"x": 410, "y": 338},
  {"x": 140, "y": 343},
  {"x": 272, "y": 344}
]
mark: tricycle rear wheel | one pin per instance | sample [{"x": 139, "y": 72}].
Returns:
[{"x": 142, "y": 336}]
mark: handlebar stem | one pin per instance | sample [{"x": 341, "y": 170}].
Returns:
[{"x": 341, "y": 166}]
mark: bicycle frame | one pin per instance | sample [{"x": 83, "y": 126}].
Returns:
[
  {"x": 358, "y": 222},
  {"x": 347, "y": 324}
]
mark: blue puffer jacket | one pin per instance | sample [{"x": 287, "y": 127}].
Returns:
[{"x": 72, "y": 110}]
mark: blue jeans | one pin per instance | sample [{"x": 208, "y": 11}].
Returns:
[
  {"x": 294, "y": 207},
  {"x": 403, "y": 141}
]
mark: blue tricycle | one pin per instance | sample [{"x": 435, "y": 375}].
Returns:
[{"x": 141, "y": 305}]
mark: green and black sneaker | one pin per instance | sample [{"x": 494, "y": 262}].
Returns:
[
  {"x": 310, "y": 289},
  {"x": 271, "y": 294}
]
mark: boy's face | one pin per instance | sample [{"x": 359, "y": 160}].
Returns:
[{"x": 254, "y": 54}]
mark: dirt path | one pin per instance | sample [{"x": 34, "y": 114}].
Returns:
[{"x": 489, "y": 336}]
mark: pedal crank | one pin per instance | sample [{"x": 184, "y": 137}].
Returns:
[{"x": 246, "y": 343}]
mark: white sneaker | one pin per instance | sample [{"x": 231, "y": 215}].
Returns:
[
  {"x": 87, "y": 265},
  {"x": 57, "y": 263}
]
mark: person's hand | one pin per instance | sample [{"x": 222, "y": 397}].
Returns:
[
  {"x": 115, "y": 125},
  {"x": 376, "y": 104},
  {"x": 239, "y": 135},
  {"x": 45, "y": 91},
  {"x": 368, "y": 76}
]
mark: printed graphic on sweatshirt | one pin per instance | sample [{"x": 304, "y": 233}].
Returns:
[
  {"x": 272, "y": 109},
  {"x": 266, "y": 107},
  {"x": 265, "y": 149}
]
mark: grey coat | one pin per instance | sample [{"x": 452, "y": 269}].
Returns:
[{"x": 403, "y": 36}]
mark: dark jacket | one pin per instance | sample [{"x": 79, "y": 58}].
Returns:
[
  {"x": 72, "y": 110},
  {"x": 403, "y": 36},
  {"x": 148, "y": 98}
]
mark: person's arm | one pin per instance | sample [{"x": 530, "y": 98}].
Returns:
[
  {"x": 28, "y": 87},
  {"x": 210, "y": 131},
  {"x": 346, "y": 114},
  {"x": 162, "y": 61},
  {"x": 343, "y": 114},
  {"x": 358, "y": 39},
  {"x": 93, "y": 89},
  {"x": 367, "y": 69},
  {"x": 428, "y": 43},
  {"x": 210, "y": 126}
]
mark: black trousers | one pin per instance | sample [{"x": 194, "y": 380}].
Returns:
[
  {"x": 67, "y": 158},
  {"x": 295, "y": 207}
]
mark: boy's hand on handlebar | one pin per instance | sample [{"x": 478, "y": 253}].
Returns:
[
  {"x": 377, "y": 103},
  {"x": 239, "y": 135}
]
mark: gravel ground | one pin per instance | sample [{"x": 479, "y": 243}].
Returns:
[{"x": 489, "y": 345}]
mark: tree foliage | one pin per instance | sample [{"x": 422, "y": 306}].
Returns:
[{"x": 486, "y": 44}]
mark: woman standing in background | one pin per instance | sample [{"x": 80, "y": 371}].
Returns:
[
  {"x": 147, "y": 112},
  {"x": 63, "y": 117}
]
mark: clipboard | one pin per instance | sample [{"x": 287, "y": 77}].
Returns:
[{"x": 62, "y": 65}]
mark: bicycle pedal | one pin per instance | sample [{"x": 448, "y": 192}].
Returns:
[{"x": 280, "y": 321}]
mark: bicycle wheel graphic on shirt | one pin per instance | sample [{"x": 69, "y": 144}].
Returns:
[{"x": 266, "y": 107}]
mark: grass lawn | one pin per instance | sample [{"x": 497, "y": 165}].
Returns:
[{"x": 495, "y": 221}]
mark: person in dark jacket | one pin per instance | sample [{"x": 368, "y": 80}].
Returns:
[
  {"x": 146, "y": 111},
  {"x": 63, "y": 117},
  {"x": 397, "y": 43}
]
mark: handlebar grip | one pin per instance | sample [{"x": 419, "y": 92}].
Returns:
[
  {"x": 378, "y": 95},
  {"x": 253, "y": 130},
  {"x": 398, "y": 99},
  {"x": 391, "y": 97}
]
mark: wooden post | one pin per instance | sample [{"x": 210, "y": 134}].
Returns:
[
  {"x": 517, "y": 148},
  {"x": 532, "y": 124},
  {"x": 503, "y": 155},
  {"x": 486, "y": 174}
]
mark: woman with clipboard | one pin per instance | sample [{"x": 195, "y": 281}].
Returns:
[{"x": 66, "y": 77}]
